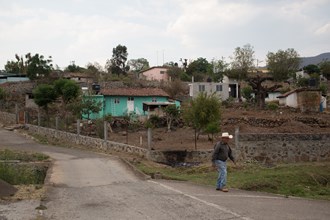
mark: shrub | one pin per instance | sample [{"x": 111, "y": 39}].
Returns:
[{"x": 272, "y": 106}]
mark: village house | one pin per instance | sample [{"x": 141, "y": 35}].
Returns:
[
  {"x": 303, "y": 98},
  {"x": 155, "y": 74},
  {"x": 225, "y": 89},
  {"x": 140, "y": 101}
]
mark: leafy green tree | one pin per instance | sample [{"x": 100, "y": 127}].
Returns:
[
  {"x": 73, "y": 68},
  {"x": 310, "y": 69},
  {"x": 18, "y": 66},
  {"x": 242, "y": 62},
  {"x": 325, "y": 69},
  {"x": 117, "y": 64},
  {"x": 200, "y": 69},
  {"x": 86, "y": 105},
  {"x": 44, "y": 95},
  {"x": 202, "y": 111},
  {"x": 247, "y": 93},
  {"x": 212, "y": 128},
  {"x": 66, "y": 89},
  {"x": 283, "y": 64},
  {"x": 171, "y": 113},
  {"x": 2, "y": 95},
  {"x": 137, "y": 65},
  {"x": 220, "y": 67},
  {"x": 37, "y": 66}
]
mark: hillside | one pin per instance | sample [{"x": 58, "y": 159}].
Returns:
[{"x": 314, "y": 60}]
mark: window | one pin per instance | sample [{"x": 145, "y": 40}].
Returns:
[
  {"x": 154, "y": 99},
  {"x": 201, "y": 88},
  {"x": 162, "y": 72},
  {"x": 218, "y": 88},
  {"x": 116, "y": 101},
  {"x": 130, "y": 98}
]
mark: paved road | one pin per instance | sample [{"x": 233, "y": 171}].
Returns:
[{"x": 86, "y": 185}]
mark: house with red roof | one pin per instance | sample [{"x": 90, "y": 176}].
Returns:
[{"x": 140, "y": 101}]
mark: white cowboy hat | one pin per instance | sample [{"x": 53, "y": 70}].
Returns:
[{"x": 226, "y": 134}]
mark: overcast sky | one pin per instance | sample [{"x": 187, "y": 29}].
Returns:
[{"x": 86, "y": 31}]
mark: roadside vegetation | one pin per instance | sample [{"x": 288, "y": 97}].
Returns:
[
  {"x": 309, "y": 180},
  {"x": 17, "y": 167}
]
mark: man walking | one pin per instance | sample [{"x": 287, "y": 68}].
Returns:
[{"x": 221, "y": 153}]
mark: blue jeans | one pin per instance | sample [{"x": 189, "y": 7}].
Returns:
[{"x": 222, "y": 169}]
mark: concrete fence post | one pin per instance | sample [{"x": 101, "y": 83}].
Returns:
[
  {"x": 39, "y": 119},
  {"x": 78, "y": 127},
  {"x": 16, "y": 113},
  {"x": 105, "y": 128},
  {"x": 237, "y": 145},
  {"x": 149, "y": 138},
  {"x": 56, "y": 122}
]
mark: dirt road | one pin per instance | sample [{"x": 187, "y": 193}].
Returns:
[{"x": 85, "y": 185}]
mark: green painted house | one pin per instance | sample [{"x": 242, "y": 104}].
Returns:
[{"x": 121, "y": 101}]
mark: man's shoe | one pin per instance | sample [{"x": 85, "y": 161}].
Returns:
[
  {"x": 224, "y": 190},
  {"x": 218, "y": 189}
]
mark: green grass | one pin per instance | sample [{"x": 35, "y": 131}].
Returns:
[
  {"x": 309, "y": 180},
  {"x": 17, "y": 173},
  {"x": 22, "y": 156}
]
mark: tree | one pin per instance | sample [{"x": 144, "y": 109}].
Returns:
[
  {"x": 175, "y": 88},
  {"x": 283, "y": 64},
  {"x": 260, "y": 90},
  {"x": 219, "y": 68},
  {"x": 200, "y": 69},
  {"x": 18, "y": 66},
  {"x": 73, "y": 68},
  {"x": 310, "y": 69},
  {"x": 66, "y": 89},
  {"x": 242, "y": 62},
  {"x": 117, "y": 64},
  {"x": 174, "y": 72},
  {"x": 37, "y": 66},
  {"x": 2, "y": 95},
  {"x": 44, "y": 94},
  {"x": 202, "y": 111},
  {"x": 325, "y": 69},
  {"x": 87, "y": 105},
  {"x": 137, "y": 65},
  {"x": 171, "y": 113}
]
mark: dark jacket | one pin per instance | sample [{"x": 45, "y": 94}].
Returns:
[{"x": 221, "y": 152}]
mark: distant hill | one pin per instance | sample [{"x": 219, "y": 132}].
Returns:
[{"x": 314, "y": 60}]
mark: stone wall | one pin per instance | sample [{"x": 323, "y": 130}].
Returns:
[
  {"x": 267, "y": 148},
  {"x": 271, "y": 148},
  {"x": 88, "y": 142},
  {"x": 7, "y": 118}
]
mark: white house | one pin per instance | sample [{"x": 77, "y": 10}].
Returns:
[
  {"x": 303, "y": 98},
  {"x": 223, "y": 89}
]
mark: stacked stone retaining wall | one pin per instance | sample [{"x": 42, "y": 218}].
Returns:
[
  {"x": 7, "y": 118},
  {"x": 284, "y": 147},
  {"x": 268, "y": 148},
  {"x": 88, "y": 142}
]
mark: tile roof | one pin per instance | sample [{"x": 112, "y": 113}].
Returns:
[{"x": 134, "y": 92}]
